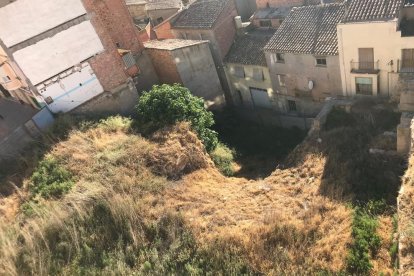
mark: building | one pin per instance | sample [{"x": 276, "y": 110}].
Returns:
[
  {"x": 303, "y": 58},
  {"x": 12, "y": 85},
  {"x": 190, "y": 63},
  {"x": 72, "y": 51},
  {"x": 211, "y": 20},
  {"x": 137, "y": 8},
  {"x": 159, "y": 10},
  {"x": 246, "y": 8},
  {"x": 247, "y": 72},
  {"x": 376, "y": 49},
  {"x": 271, "y": 17}
]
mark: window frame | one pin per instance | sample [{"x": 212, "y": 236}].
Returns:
[
  {"x": 281, "y": 79},
  {"x": 280, "y": 57},
  {"x": 290, "y": 104},
  {"x": 317, "y": 64},
  {"x": 364, "y": 91}
]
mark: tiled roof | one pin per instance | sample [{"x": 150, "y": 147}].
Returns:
[
  {"x": 202, "y": 14},
  {"x": 172, "y": 44},
  {"x": 309, "y": 30},
  {"x": 248, "y": 49},
  {"x": 163, "y": 4},
  {"x": 371, "y": 10}
]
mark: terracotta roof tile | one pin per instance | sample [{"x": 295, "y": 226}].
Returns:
[
  {"x": 202, "y": 14},
  {"x": 309, "y": 30},
  {"x": 370, "y": 10},
  {"x": 248, "y": 49}
]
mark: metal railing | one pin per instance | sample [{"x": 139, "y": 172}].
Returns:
[{"x": 365, "y": 67}]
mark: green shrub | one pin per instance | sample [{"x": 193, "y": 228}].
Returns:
[
  {"x": 50, "y": 180},
  {"x": 223, "y": 158},
  {"x": 366, "y": 242},
  {"x": 168, "y": 104},
  {"x": 115, "y": 123}
]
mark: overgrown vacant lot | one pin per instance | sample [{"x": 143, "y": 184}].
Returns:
[{"x": 105, "y": 200}]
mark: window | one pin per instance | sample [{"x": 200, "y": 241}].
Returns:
[
  {"x": 407, "y": 60},
  {"x": 280, "y": 57},
  {"x": 6, "y": 79},
  {"x": 129, "y": 60},
  {"x": 265, "y": 23},
  {"x": 258, "y": 74},
  {"x": 321, "y": 61},
  {"x": 366, "y": 58},
  {"x": 282, "y": 80},
  {"x": 238, "y": 71},
  {"x": 363, "y": 86},
  {"x": 292, "y": 106}
]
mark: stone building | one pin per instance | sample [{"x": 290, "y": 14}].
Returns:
[
  {"x": 247, "y": 72},
  {"x": 159, "y": 10},
  {"x": 190, "y": 63},
  {"x": 303, "y": 59},
  {"x": 376, "y": 50},
  {"x": 72, "y": 51},
  {"x": 211, "y": 20}
]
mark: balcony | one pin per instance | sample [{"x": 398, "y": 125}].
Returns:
[
  {"x": 405, "y": 66},
  {"x": 365, "y": 67}
]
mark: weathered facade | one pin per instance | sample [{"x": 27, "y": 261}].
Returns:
[
  {"x": 70, "y": 51},
  {"x": 160, "y": 10},
  {"x": 303, "y": 59},
  {"x": 247, "y": 73},
  {"x": 188, "y": 62},
  {"x": 376, "y": 48}
]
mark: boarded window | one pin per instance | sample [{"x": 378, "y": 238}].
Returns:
[
  {"x": 258, "y": 74},
  {"x": 363, "y": 86},
  {"x": 129, "y": 60},
  {"x": 366, "y": 58},
  {"x": 407, "y": 59}
]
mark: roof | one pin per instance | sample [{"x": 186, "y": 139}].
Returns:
[
  {"x": 309, "y": 30},
  {"x": 202, "y": 14},
  {"x": 372, "y": 10},
  {"x": 163, "y": 4},
  {"x": 271, "y": 13},
  {"x": 172, "y": 44},
  {"x": 248, "y": 49}
]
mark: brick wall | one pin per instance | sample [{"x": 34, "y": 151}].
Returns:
[
  {"x": 163, "y": 31},
  {"x": 165, "y": 66},
  {"x": 225, "y": 29},
  {"x": 113, "y": 24}
]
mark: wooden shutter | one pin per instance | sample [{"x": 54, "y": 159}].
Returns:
[
  {"x": 366, "y": 58},
  {"x": 408, "y": 58}
]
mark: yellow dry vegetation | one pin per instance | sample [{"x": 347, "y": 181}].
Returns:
[{"x": 282, "y": 222}]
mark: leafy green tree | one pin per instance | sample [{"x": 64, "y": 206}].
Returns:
[{"x": 168, "y": 104}]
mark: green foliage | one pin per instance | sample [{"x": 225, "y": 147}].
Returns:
[
  {"x": 366, "y": 242},
  {"x": 115, "y": 123},
  {"x": 223, "y": 158},
  {"x": 168, "y": 104},
  {"x": 50, "y": 180}
]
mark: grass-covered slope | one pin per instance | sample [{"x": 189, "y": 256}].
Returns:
[{"x": 105, "y": 200}]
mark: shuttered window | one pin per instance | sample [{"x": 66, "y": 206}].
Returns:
[
  {"x": 366, "y": 58},
  {"x": 407, "y": 59}
]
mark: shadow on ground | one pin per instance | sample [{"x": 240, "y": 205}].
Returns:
[{"x": 259, "y": 149}]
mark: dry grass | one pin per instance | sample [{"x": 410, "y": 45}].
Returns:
[{"x": 282, "y": 224}]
